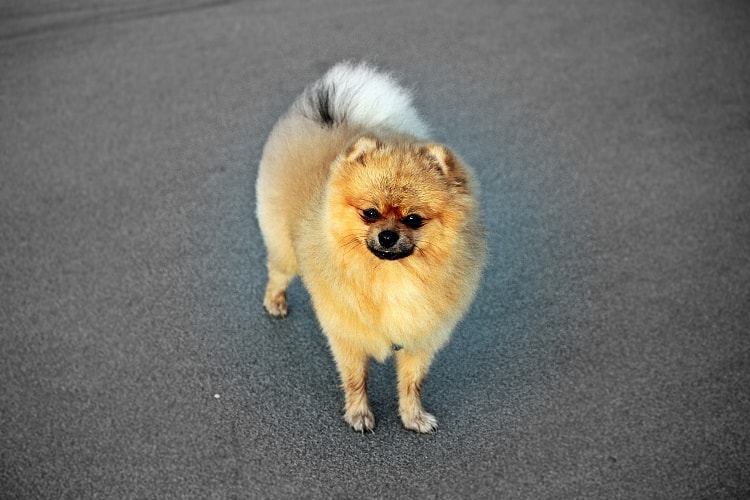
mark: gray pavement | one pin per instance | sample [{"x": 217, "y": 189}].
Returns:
[{"x": 606, "y": 356}]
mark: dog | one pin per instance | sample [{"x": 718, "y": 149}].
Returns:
[{"x": 382, "y": 225}]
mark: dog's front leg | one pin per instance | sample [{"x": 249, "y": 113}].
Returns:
[
  {"x": 412, "y": 370},
  {"x": 352, "y": 366}
]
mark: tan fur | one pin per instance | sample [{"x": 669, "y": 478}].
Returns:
[{"x": 313, "y": 184}]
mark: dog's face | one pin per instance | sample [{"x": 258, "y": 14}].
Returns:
[
  {"x": 398, "y": 202},
  {"x": 391, "y": 235}
]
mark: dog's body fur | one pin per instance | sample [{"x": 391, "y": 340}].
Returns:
[{"x": 395, "y": 280}]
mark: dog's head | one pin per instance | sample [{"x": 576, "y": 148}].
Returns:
[{"x": 398, "y": 199}]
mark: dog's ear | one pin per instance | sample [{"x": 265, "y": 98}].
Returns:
[
  {"x": 360, "y": 148},
  {"x": 446, "y": 162}
]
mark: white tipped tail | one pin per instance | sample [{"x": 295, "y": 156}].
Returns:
[{"x": 359, "y": 95}]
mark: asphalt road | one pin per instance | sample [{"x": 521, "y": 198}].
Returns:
[{"x": 606, "y": 356}]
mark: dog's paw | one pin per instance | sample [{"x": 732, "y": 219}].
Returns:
[
  {"x": 361, "y": 421},
  {"x": 275, "y": 304},
  {"x": 420, "y": 421}
]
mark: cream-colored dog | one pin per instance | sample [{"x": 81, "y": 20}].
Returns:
[{"x": 381, "y": 224}]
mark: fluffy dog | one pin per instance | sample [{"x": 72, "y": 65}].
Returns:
[{"x": 382, "y": 225}]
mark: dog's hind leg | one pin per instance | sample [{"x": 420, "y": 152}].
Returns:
[{"x": 282, "y": 268}]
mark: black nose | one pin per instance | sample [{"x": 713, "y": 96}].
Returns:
[{"x": 388, "y": 238}]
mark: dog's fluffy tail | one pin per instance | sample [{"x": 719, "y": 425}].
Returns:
[{"x": 361, "y": 96}]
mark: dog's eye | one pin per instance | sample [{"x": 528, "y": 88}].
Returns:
[
  {"x": 413, "y": 221},
  {"x": 370, "y": 215}
]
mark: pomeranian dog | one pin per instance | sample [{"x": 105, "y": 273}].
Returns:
[{"x": 381, "y": 224}]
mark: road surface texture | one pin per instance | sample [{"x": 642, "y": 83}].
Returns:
[{"x": 607, "y": 354}]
